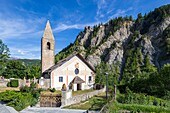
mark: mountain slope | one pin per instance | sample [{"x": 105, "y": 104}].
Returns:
[{"x": 115, "y": 40}]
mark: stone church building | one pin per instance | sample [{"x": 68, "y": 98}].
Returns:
[{"x": 74, "y": 71}]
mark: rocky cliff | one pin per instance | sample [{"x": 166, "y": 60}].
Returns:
[{"x": 112, "y": 41}]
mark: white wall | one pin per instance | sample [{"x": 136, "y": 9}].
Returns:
[{"x": 67, "y": 71}]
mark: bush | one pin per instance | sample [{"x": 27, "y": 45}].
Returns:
[
  {"x": 24, "y": 89},
  {"x": 18, "y": 100},
  {"x": 14, "y": 83},
  {"x": 142, "y": 99},
  {"x": 53, "y": 90},
  {"x": 8, "y": 84}
]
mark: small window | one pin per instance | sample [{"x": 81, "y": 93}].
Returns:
[
  {"x": 60, "y": 79},
  {"x": 76, "y": 71},
  {"x": 48, "y": 45},
  {"x": 89, "y": 78}
]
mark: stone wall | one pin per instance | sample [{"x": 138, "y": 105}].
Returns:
[
  {"x": 79, "y": 98},
  {"x": 4, "y": 82}
]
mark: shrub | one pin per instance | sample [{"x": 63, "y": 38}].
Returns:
[
  {"x": 8, "y": 84},
  {"x": 18, "y": 100},
  {"x": 14, "y": 83},
  {"x": 24, "y": 89},
  {"x": 142, "y": 99},
  {"x": 53, "y": 90}
]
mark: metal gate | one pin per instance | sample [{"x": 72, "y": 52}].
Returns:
[{"x": 50, "y": 100}]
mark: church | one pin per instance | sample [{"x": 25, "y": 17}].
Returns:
[{"x": 73, "y": 71}]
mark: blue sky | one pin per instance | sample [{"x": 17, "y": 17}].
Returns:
[{"x": 22, "y": 21}]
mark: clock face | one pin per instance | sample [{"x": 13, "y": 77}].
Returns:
[{"x": 76, "y": 71}]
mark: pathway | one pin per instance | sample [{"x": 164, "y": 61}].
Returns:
[{"x": 50, "y": 110}]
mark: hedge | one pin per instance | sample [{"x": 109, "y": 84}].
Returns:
[{"x": 14, "y": 83}]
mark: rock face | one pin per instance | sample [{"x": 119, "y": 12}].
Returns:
[{"x": 110, "y": 42}]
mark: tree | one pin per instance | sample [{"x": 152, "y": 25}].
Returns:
[
  {"x": 4, "y": 55},
  {"x": 100, "y": 73},
  {"x": 114, "y": 74},
  {"x": 15, "y": 69},
  {"x": 148, "y": 66},
  {"x": 165, "y": 76},
  {"x": 140, "y": 18},
  {"x": 130, "y": 18},
  {"x": 34, "y": 71}
]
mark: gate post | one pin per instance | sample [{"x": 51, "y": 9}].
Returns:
[{"x": 66, "y": 95}]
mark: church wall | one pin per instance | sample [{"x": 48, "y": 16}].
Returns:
[{"x": 67, "y": 71}]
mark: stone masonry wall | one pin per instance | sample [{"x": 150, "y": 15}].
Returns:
[{"x": 79, "y": 98}]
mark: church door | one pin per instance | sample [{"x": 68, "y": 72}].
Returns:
[{"x": 78, "y": 86}]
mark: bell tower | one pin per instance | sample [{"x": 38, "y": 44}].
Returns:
[{"x": 47, "y": 48}]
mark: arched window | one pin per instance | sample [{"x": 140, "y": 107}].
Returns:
[{"x": 48, "y": 45}]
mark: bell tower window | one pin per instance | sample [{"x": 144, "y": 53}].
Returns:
[{"x": 48, "y": 45}]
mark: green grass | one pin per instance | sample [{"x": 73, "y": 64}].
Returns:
[
  {"x": 47, "y": 92},
  {"x": 79, "y": 92},
  {"x": 116, "y": 107},
  {"x": 94, "y": 103}
]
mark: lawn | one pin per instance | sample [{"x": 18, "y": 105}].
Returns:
[
  {"x": 3, "y": 89},
  {"x": 79, "y": 92},
  {"x": 94, "y": 103},
  {"x": 47, "y": 92},
  {"x": 116, "y": 107}
]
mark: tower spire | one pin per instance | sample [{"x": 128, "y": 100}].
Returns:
[
  {"x": 48, "y": 32},
  {"x": 47, "y": 48}
]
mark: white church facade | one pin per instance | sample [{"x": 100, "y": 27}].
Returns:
[{"x": 73, "y": 71}]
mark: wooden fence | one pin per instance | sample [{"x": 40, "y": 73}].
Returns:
[{"x": 50, "y": 100}]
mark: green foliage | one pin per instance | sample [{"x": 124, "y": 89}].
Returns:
[
  {"x": 8, "y": 84},
  {"x": 113, "y": 74},
  {"x": 165, "y": 44},
  {"x": 67, "y": 51},
  {"x": 53, "y": 90},
  {"x": 14, "y": 83},
  {"x": 135, "y": 108},
  {"x": 132, "y": 69},
  {"x": 139, "y": 18},
  {"x": 33, "y": 91},
  {"x": 4, "y": 55},
  {"x": 18, "y": 100},
  {"x": 142, "y": 99},
  {"x": 155, "y": 17},
  {"x": 157, "y": 84},
  {"x": 33, "y": 71},
  {"x": 148, "y": 66},
  {"x": 130, "y": 18},
  {"x": 15, "y": 69},
  {"x": 30, "y": 62}
]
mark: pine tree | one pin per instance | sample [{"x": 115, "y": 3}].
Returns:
[{"x": 148, "y": 66}]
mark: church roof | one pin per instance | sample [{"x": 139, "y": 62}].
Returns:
[
  {"x": 61, "y": 62},
  {"x": 48, "y": 34},
  {"x": 77, "y": 80}
]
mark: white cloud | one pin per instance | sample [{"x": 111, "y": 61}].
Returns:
[
  {"x": 104, "y": 7},
  {"x": 10, "y": 28},
  {"x": 121, "y": 12},
  {"x": 62, "y": 26},
  {"x": 26, "y": 52}
]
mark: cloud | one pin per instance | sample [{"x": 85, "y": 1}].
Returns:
[
  {"x": 32, "y": 52},
  {"x": 104, "y": 7},
  {"x": 62, "y": 26},
  {"x": 11, "y": 28},
  {"x": 121, "y": 12}
]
